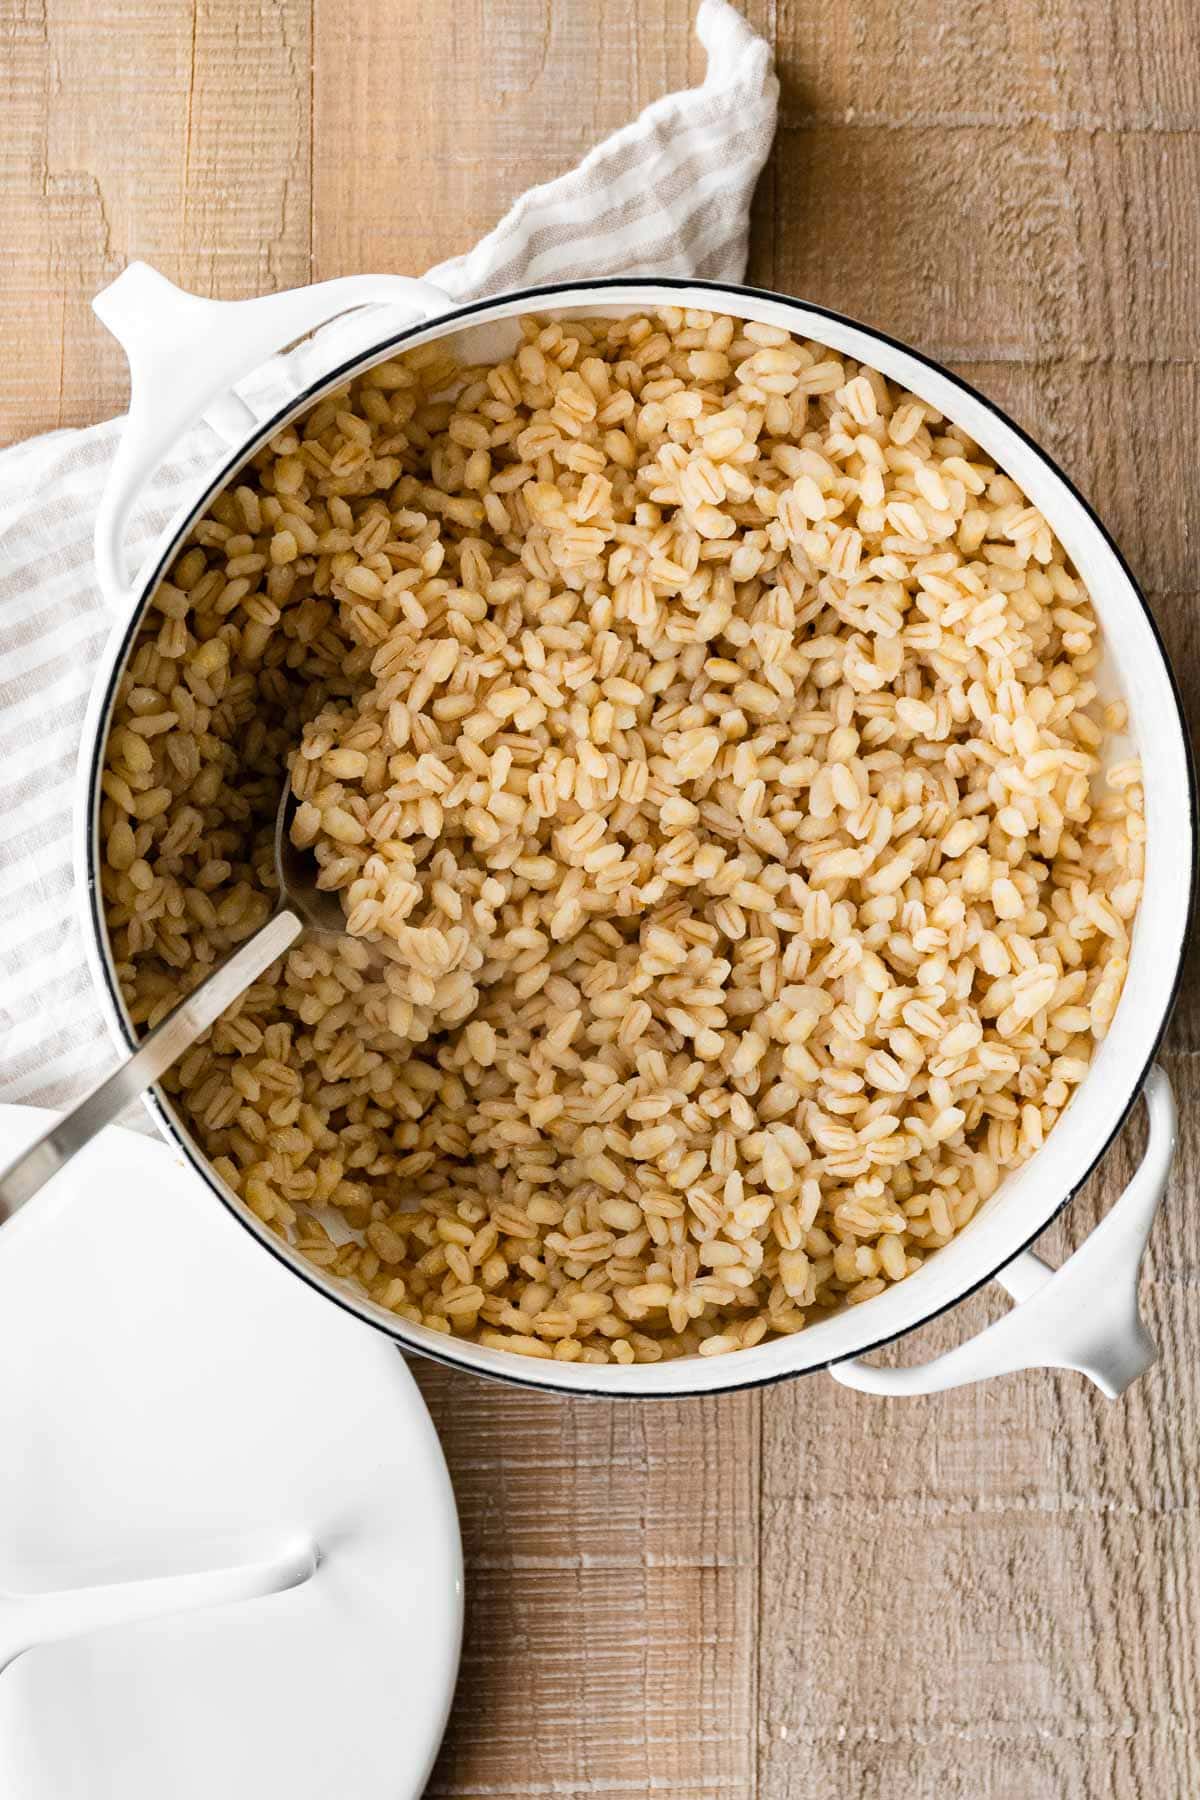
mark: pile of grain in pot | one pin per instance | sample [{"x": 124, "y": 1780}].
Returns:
[{"x": 702, "y": 737}]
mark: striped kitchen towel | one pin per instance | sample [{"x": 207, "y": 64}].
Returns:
[{"x": 669, "y": 194}]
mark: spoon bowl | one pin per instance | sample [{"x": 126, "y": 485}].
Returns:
[{"x": 297, "y": 874}]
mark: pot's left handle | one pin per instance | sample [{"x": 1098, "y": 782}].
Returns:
[
  {"x": 1083, "y": 1316},
  {"x": 185, "y": 354}
]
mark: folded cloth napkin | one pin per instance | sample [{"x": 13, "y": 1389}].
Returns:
[{"x": 668, "y": 194}]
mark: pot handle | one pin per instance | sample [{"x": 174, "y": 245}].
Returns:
[
  {"x": 27, "y": 1620},
  {"x": 1082, "y": 1316},
  {"x": 185, "y": 353}
]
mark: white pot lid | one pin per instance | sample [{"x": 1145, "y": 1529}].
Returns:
[{"x": 167, "y": 1388}]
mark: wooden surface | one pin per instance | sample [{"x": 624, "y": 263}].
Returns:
[{"x": 805, "y": 1592}]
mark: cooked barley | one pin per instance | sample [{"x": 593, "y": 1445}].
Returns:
[{"x": 703, "y": 739}]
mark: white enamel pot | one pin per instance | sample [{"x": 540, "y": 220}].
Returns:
[{"x": 194, "y": 359}]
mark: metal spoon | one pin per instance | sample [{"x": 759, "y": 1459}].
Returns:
[{"x": 301, "y": 904}]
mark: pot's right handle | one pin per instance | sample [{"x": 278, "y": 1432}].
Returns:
[
  {"x": 185, "y": 354},
  {"x": 1083, "y": 1316}
]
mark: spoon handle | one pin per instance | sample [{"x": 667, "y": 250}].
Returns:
[{"x": 152, "y": 1058}]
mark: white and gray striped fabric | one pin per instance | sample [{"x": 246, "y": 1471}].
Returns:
[{"x": 669, "y": 194}]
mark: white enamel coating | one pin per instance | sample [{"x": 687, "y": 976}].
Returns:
[
  {"x": 1027, "y": 1200},
  {"x": 185, "y": 355},
  {"x": 228, "y": 1539},
  {"x": 38, "y": 1619},
  {"x": 30, "y": 1620}
]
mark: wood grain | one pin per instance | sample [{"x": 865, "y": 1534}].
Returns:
[
  {"x": 991, "y": 1595},
  {"x": 1067, "y": 65},
  {"x": 140, "y": 128},
  {"x": 492, "y": 102},
  {"x": 612, "y": 1580},
  {"x": 1051, "y": 264}
]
